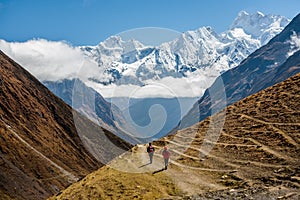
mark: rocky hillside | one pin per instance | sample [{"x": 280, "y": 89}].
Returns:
[
  {"x": 255, "y": 156},
  {"x": 41, "y": 148}
]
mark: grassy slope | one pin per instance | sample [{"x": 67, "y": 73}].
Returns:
[{"x": 109, "y": 183}]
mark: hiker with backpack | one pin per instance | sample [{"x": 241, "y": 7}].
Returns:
[
  {"x": 166, "y": 154},
  {"x": 150, "y": 150}
]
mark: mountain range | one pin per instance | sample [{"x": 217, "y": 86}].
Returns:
[
  {"x": 270, "y": 64},
  {"x": 179, "y": 71},
  {"x": 193, "y": 60},
  {"x": 192, "y": 55}
]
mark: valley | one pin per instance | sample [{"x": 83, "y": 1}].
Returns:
[
  {"x": 256, "y": 156},
  {"x": 76, "y": 120}
]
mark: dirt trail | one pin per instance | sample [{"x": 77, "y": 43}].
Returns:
[
  {"x": 64, "y": 172},
  {"x": 264, "y": 147},
  {"x": 220, "y": 159},
  {"x": 137, "y": 161},
  {"x": 288, "y": 138}
]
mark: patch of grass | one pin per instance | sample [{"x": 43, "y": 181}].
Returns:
[
  {"x": 4, "y": 196},
  {"x": 108, "y": 183}
]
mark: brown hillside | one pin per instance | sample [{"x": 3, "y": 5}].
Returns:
[
  {"x": 40, "y": 150},
  {"x": 256, "y": 156}
]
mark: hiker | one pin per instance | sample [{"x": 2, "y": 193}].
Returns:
[
  {"x": 150, "y": 150},
  {"x": 166, "y": 154}
]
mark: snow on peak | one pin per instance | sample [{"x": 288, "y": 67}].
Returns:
[
  {"x": 199, "y": 55},
  {"x": 260, "y": 13},
  {"x": 238, "y": 33},
  {"x": 132, "y": 45},
  {"x": 112, "y": 42},
  {"x": 116, "y": 42},
  {"x": 192, "y": 54},
  {"x": 242, "y": 14},
  {"x": 258, "y": 24}
]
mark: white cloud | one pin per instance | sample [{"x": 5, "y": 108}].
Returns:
[
  {"x": 57, "y": 60},
  {"x": 295, "y": 39},
  {"x": 49, "y": 60},
  {"x": 168, "y": 87},
  {"x": 295, "y": 44}
]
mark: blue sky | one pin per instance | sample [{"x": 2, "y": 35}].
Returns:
[{"x": 88, "y": 22}]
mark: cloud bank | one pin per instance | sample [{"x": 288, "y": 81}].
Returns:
[
  {"x": 295, "y": 44},
  {"x": 168, "y": 87},
  {"x": 49, "y": 60},
  {"x": 58, "y": 60}
]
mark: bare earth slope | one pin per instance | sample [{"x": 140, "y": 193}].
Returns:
[
  {"x": 40, "y": 150},
  {"x": 257, "y": 155}
]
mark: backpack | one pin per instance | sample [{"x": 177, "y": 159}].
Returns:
[{"x": 150, "y": 149}]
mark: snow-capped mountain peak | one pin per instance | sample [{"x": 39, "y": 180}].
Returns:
[
  {"x": 194, "y": 54},
  {"x": 112, "y": 42},
  {"x": 260, "y": 26},
  {"x": 116, "y": 42}
]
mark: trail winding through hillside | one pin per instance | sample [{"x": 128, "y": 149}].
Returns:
[{"x": 64, "y": 172}]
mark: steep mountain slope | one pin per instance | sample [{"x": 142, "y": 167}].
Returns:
[
  {"x": 270, "y": 64},
  {"x": 92, "y": 105},
  {"x": 256, "y": 156},
  {"x": 41, "y": 148}
]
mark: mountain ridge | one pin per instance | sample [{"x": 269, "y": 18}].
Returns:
[
  {"x": 41, "y": 148},
  {"x": 185, "y": 66},
  {"x": 91, "y": 104}
]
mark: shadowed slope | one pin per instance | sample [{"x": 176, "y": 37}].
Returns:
[{"x": 40, "y": 149}]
